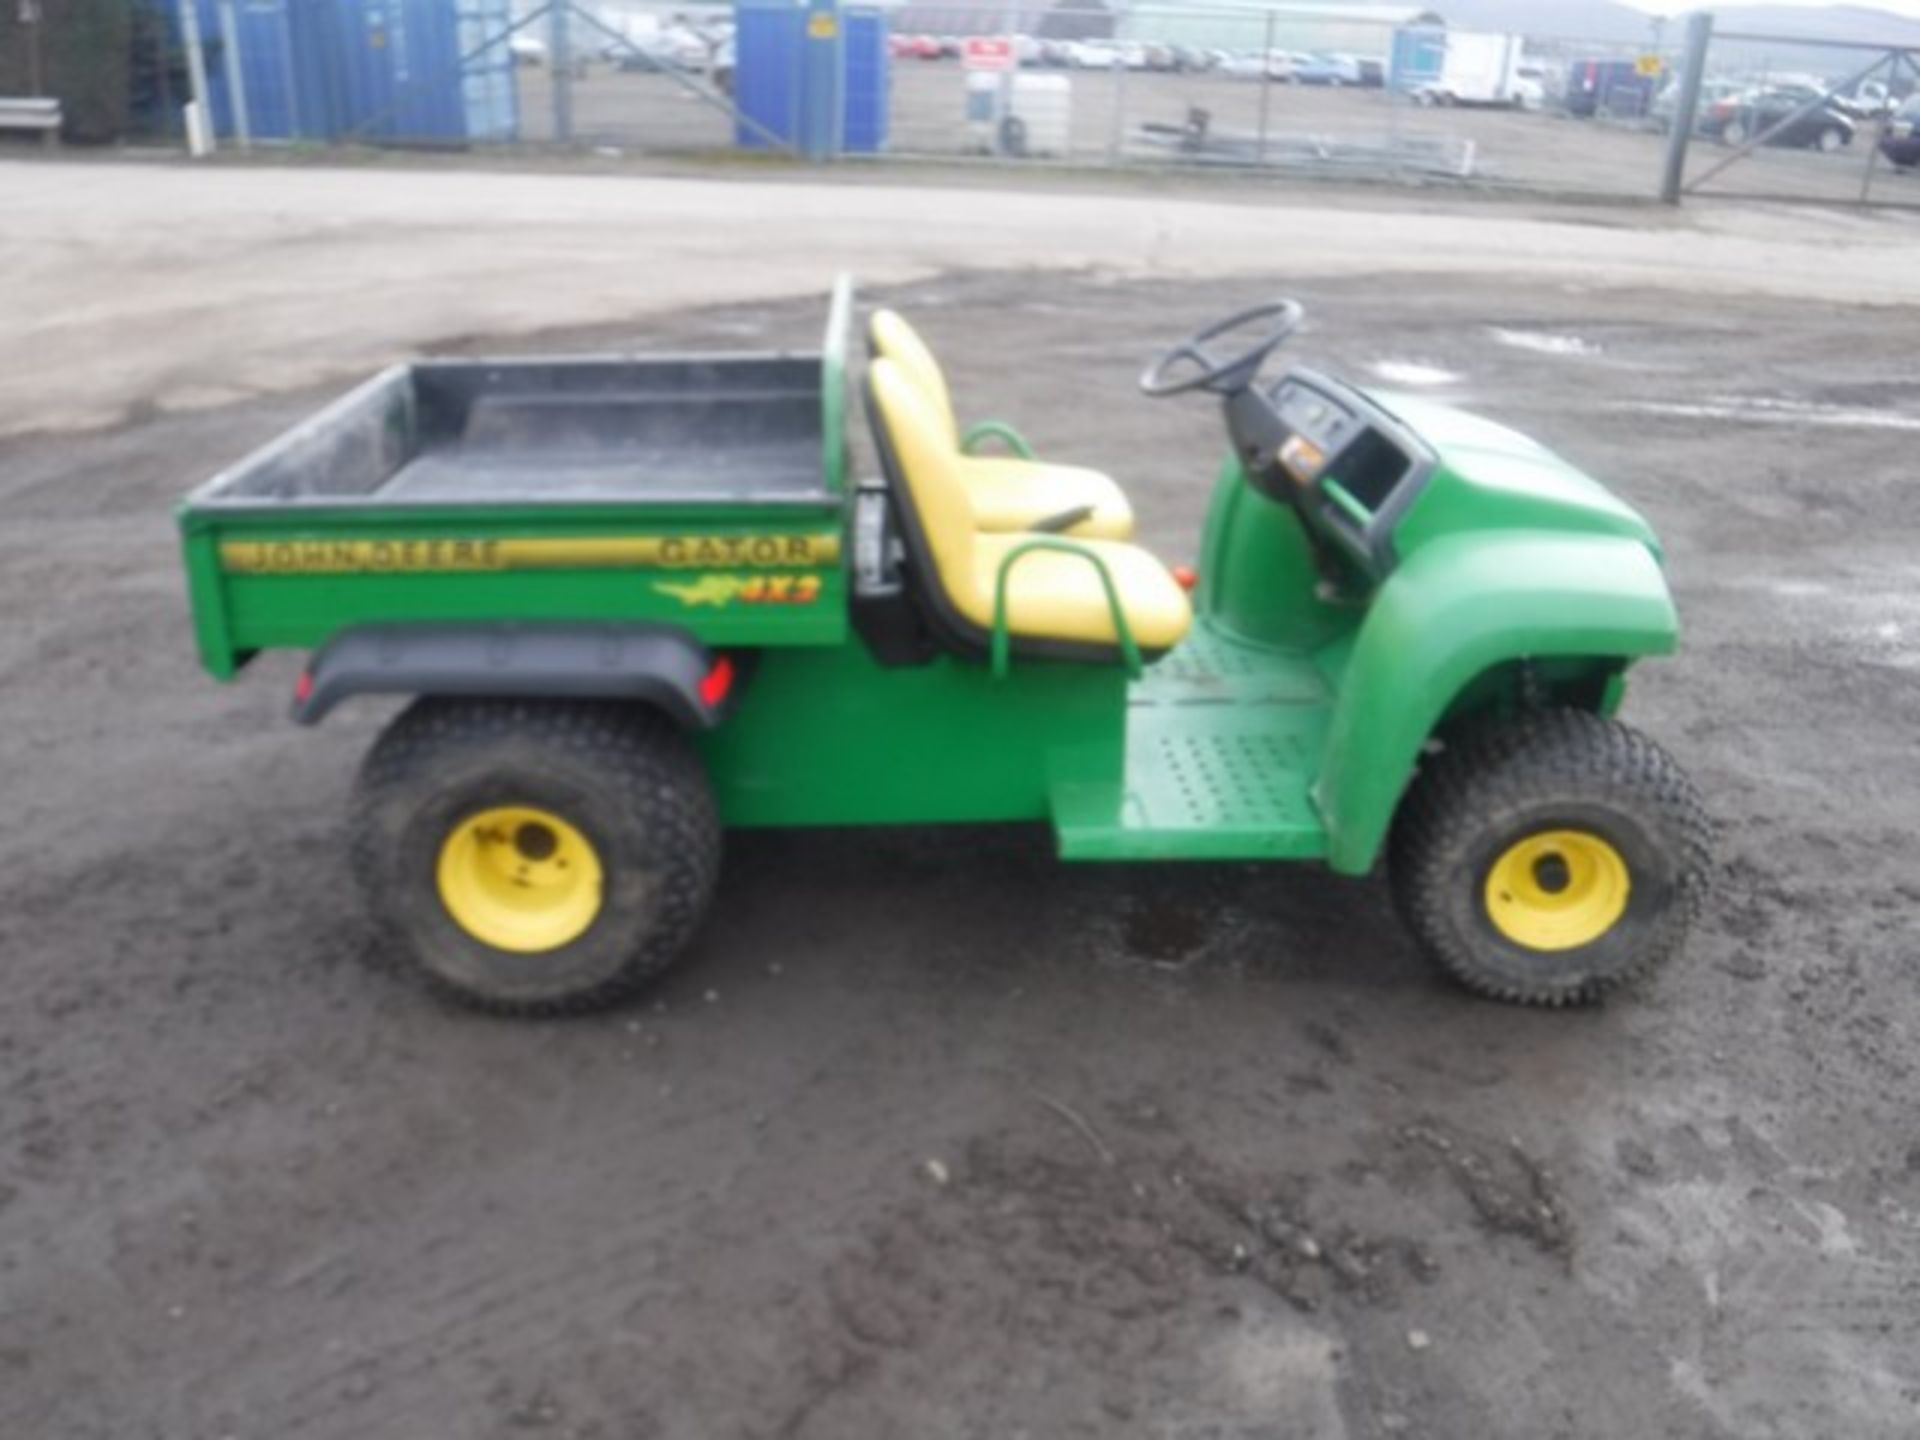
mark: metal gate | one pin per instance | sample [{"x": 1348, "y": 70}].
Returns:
[{"x": 1796, "y": 118}]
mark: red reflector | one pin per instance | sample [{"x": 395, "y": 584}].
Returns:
[
  {"x": 713, "y": 689},
  {"x": 1185, "y": 576},
  {"x": 303, "y": 688}
]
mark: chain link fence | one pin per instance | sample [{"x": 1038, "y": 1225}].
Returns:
[
  {"x": 1283, "y": 90},
  {"x": 1367, "y": 92}
]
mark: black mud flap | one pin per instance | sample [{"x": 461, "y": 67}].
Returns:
[{"x": 657, "y": 665}]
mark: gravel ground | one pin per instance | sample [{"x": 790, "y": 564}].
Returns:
[{"x": 932, "y": 1135}]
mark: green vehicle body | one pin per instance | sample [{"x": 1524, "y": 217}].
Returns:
[{"x": 1286, "y": 726}]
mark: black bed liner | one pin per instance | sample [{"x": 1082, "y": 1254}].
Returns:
[{"x": 689, "y": 428}]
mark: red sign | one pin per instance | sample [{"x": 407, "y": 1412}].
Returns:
[{"x": 987, "y": 52}]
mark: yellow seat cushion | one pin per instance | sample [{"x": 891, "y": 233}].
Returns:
[
  {"x": 1011, "y": 494},
  {"x": 1008, "y": 493},
  {"x": 1055, "y": 596},
  {"x": 1051, "y": 595},
  {"x": 894, "y": 339}
]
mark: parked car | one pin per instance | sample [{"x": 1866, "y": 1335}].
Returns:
[
  {"x": 527, "y": 49},
  {"x": 1373, "y": 73},
  {"x": 1901, "y": 143},
  {"x": 1740, "y": 118},
  {"x": 1327, "y": 69},
  {"x": 1096, "y": 54},
  {"x": 649, "y": 47},
  {"x": 1868, "y": 100},
  {"x": 1667, "y": 103},
  {"x": 1252, "y": 65}
]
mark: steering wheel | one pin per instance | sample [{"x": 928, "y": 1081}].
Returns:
[{"x": 1224, "y": 377}]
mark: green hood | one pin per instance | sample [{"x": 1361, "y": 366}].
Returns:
[{"x": 1493, "y": 478}]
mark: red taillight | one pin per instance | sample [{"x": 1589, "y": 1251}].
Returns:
[
  {"x": 303, "y": 688},
  {"x": 1186, "y": 577},
  {"x": 713, "y": 689}
]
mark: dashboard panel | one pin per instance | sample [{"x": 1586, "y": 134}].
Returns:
[{"x": 1348, "y": 466}]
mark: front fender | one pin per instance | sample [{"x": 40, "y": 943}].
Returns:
[{"x": 1451, "y": 611}]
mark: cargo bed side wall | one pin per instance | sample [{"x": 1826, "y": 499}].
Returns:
[
  {"x": 349, "y": 449},
  {"x": 732, "y": 575}
]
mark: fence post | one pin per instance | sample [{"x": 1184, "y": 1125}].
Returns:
[
  {"x": 201, "y": 140},
  {"x": 1266, "y": 85},
  {"x": 560, "y": 69},
  {"x": 30, "y": 19},
  {"x": 236, "y": 81},
  {"x": 1686, "y": 112}
]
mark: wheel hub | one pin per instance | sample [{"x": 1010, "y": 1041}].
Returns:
[
  {"x": 520, "y": 878},
  {"x": 1557, "y": 890}
]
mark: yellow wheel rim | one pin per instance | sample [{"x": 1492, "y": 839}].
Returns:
[
  {"x": 1557, "y": 890},
  {"x": 521, "y": 879}
]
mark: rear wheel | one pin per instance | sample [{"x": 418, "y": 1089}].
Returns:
[
  {"x": 1550, "y": 860},
  {"x": 535, "y": 857},
  {"x": 1831, "y": 139},
  {"x": 1735, "y": 133}
]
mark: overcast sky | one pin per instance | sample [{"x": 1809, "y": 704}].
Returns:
[{"x": 1675, "y": 7}]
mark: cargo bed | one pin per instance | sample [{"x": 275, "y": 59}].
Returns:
[{"x": 706, "y": 489}]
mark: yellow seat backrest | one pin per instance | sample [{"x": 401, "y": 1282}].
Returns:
[
  {"x": 894, "y": 339},
  {"x": 926, "y": 458}
]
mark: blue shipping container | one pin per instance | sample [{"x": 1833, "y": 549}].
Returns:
[
  {"x": 398, "y": 71},
  {"x": 267, "y": 71},
  {"x": 777, "y": 67},
  {"x": 869, "y": 80}
]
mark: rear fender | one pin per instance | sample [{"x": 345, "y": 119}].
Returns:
[
  {"x": 657, "y": 665},
  {"x": 1454, "y": 610}
]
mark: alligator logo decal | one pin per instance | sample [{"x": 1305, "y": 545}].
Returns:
[{"x": 720, "y": 591}]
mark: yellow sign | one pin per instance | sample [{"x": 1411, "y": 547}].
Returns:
[
  {"x": 822, "y": 26},
  {"x": 475, "y": 556},
  {"x": 1650, "y": 66},
  {"x": 721, "y": 591}
]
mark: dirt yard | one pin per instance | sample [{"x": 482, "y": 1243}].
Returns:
[{"x": 932, "y": 1136}]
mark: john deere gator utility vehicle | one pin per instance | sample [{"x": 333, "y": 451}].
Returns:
[{"x": 641, "y": 601}]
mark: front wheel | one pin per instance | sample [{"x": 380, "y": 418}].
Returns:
[
  {"x": 535, "y": 857},
  {"x": 1551, "y": 860},
  {"x": 1832, "y": 139}
]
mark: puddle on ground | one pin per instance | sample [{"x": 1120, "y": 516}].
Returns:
[
  {"x": 1409, "y": 372},
  {"x": 1759, "y": 410},
  {"x": 1166, "y": 932},
  {"x": 1542, "y": 342}
]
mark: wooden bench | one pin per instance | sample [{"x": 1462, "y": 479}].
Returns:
[{"x": 41, "y": 115}]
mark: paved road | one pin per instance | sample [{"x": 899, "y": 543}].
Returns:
[{"x": 132, "y": 288}]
